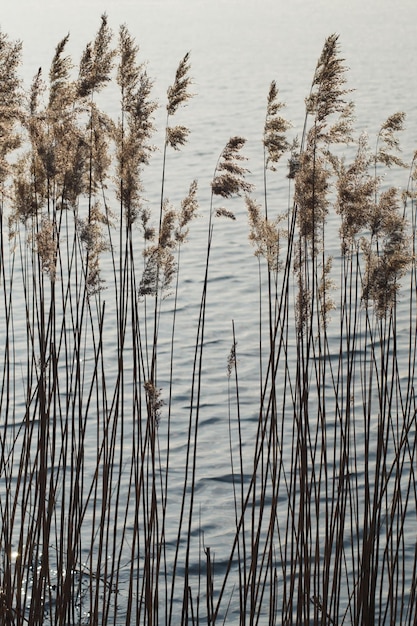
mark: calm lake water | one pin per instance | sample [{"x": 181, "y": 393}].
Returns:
[{"x": 236, "y": 49}]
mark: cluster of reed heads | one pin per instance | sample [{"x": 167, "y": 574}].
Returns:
[{"x": 323, "y": 489}]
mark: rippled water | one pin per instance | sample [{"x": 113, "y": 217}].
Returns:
[{"x": 236, "y": 48}]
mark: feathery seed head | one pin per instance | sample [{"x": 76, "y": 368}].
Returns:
[
  {"x": 386, "y": 261},
  {"x": 189, "y": 208},
  {"x": 150, "y": 277},
  {"x": 275, "y": 141},
  {"x": 160, "y": 265},
  {"x": 134, "y": 131},
  {"x": 46, "y": 246},
  {"x": 294, "y": 160},
  {"x": 176, "y": 136},
  {"x": 328, "y": 89},
  {"x": 265, "y": 234},
  {"x": 60, "y": 93},
  {"x": 355, "y": 194},
  {"x": 26, "y": 203},
  {"x": 166, "y": 239},
  {"x": 178, "y": 93},
  {"x": 96, "y": 62},
  {"x": 231, "y": 359},
  {"x": 148, "y": 230},
  {"x": 229, "y": 176},
  {"x": 386, "y": 154},
  {"x": 128, "y": 70},
  {"x": 10, "y": 83},
  {"x": 326, "y": 285},
  {"x": 10, "y": 101},
  {"x": 310, "y": 195},
  {"x": 36, "y": 90},
  {"x": 154, "y": 401},
  {"x": 342, "y": 130},
  {"x": 91, "y": 236},
  {"x": 221, "y": 212},
  {"x": 302, "y": 306}
]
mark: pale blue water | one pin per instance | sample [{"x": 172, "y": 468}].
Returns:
[{"x": 236, "y": 48}]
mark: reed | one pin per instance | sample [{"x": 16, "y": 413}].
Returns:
[{"x": 100, "y": 495}]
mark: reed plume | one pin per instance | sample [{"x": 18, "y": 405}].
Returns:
[
  {"x": 312, "y": 184},
  {"x": 94, "y": 242},
  {"x": 179, "y": 92},
  {"x": 266, "y": 235},
  {"x": 46, "y": 245},
  {"x": 25, "y": 201},
  {"x": 275, "y": 129},
  {"x": 229, "y": 177},
  {"x": 387, "y": 153},
  {"x": 160, "y": 254},
  {"x": 136, "y": 127},
  {"x": 356, "y": 187},
  {"x": 387, "y": 253},
  {"x": 328, "y": 91},
  {"x": 62, "y": 89},
  {"x": 160, "y": 261},
  {"x": 326, "y": 100},
  {"x": 96, "y": 62},
  {"x": 222, "y": 212},
  {"x": 178, "y": 95},
  {"x": 11, "y": 99},
  {"x": 154, "y": 401},
  {"x": 161, "y": 266},
  {"x": 188, "y": 212}
]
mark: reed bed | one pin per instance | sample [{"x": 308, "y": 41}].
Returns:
[{"x": 322, "y": 495}]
